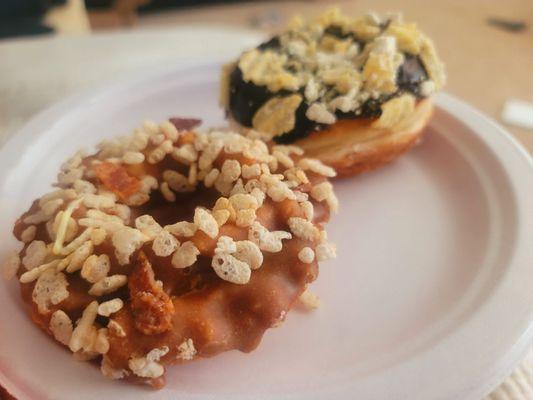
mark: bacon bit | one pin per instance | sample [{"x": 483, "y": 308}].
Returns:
[
  {"x": 185, "y": 123},
  {"x": 151, "y": 306},
  {"x": 116, "y": 178},
  {"x": 187, "y": 137}
]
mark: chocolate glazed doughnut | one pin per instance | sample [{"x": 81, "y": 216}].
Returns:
[
  {"x": 172, "y": 245},
  {"x": 352, "y": 92}
]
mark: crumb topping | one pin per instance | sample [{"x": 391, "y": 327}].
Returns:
[
  {"x": 148, "y": 366},
  {"x": 277, "y": 115},
  {"x": 306, "y": 255},
  {"x": 186, "y": 350},
  {"x": 309, "y": 300},
  {"x": 395, "y": 110},
  {"x": 93, "y": 234},
  {"x": 331, "y": 67}
]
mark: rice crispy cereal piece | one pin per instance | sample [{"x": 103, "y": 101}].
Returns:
[
  {"x": 185, "y": 255},
  {"x": 324, "y": 191},
  {"x": 238, "y": 188},
  {"x": 148, "y": 183},
  {"x": 225, "y": 244},
  {"x": 28, "y": 234},
  {"x": 95, "y": 268},
  {"x": 230, "y": 171},
  {"x": 35, "y": 273},
  {"x": 79, "y": 256},
  {"x": 81, "y": 337},
  {"x": 210, "y": 154},
  {"x": 266, "y": 240},
  {"x": 309, "y": 300},
  {"x": 186, "y": 350},
  {"x": 186, "y": 153},
  {"x": 251, "y": 171},
  {"x": 318, "y": 112},
  {"x": 223, "y": 203},
  {"x": 211, "y": 177},
  {"x": 205, "y": 222},
  {"x": 176, "y": 181},
  {"x": 115, "y": 328},
  {"x": 50, "y": 289},
  {"x": 61, "y": 327},
  {"x": 231, "y": 269},
  {"x": 308, "y": 210},
  {"x": 133, "y": 157},
  {"x": 148, "y": 226},
  {"x": 62, "y": 227},
  {"x": 35, "y": 254},
  {"x": 169, "y": 130},
  {"x": 97, "y": 201},
  {"x": 306, "y": 255},
  {"x": 182, "y": 229},
  {"x": 110, "y": 307},
  {"x": 98, "y": 236},
  {"x": 148, "y": 366},
  {"x": 75, "y": 243},
  {"x": 164, "y": 244},
  {"x": 126, "y": 241},
  {"x": 108, "y": 285},
  {"x": 325, "y": 251},
  {"x": 249, "y": 252},
  {"x": 167, "y": 193},
  {"x": 317, "y": 167},
  {"x": 303, "y": 228}
]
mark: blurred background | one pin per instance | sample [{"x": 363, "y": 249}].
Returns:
[{"x": 51, "y": 48}]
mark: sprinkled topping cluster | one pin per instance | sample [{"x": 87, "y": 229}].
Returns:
[
  {"x": 91, "y": 228},
  {"x": 332, "y": 67}
]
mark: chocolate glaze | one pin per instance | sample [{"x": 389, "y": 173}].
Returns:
[
  {"x": 411, "y": 74},
  {"x": 338, "y": 32},
  {"x": 246, "y": 98},
  {"x": 272, "y": 43}
]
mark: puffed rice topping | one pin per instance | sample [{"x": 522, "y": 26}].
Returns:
[{"x": 94, "y": 228}]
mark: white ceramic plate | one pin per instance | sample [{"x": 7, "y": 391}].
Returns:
[{"x": 430, "y": 297}]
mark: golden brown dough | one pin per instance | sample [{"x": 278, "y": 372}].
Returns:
[{"x": 355, "y": 146}]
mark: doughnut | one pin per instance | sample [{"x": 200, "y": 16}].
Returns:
[
  {"x": 352, "y": 92},
  {"x": 171, "y": 245}
]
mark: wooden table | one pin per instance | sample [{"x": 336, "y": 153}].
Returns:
[{"x": 486, "y": 65}]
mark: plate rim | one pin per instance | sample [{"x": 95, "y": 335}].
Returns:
[{"x": 509, "y": 152}]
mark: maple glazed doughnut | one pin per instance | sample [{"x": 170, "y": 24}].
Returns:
[
  {"x": 352, "y": 92},
  {"x": 171, "y": 245}
]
